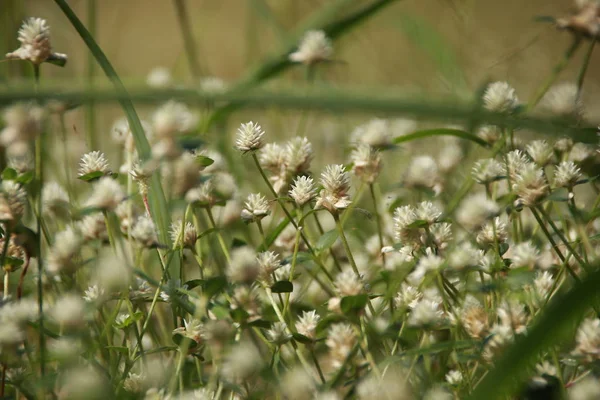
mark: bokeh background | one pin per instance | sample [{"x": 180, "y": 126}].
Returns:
[{"x": 430, "y": 47}]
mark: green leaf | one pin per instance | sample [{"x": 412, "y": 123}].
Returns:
[
  {"x": 425, "y": 37},
  {"x": 55, "y": 60},
  {"x": 260, "y": 323},
  {"x": 193, "y": 283},
  {"x": 441, "y": 132},
  {"x": 440, "y": 347},
  {"x": 212, "y": 286},
  {"x": 326, "y": 240},
  {"x": 553, "y": 326},
  {"x": 351, "y": 305},
  {"x": 119, "y": 349},
  {"x": 282, "y": 287},
  {"x": 272, "y": 236},
  {"x": 301, "y": 338},
  {"x": 25, "y": 178},
  {"x": 204, "y": 161},
  {"x": 92, "y": 176},
  {"x": 420, "y": 223},
  {"x": 239, "y": 315},
  {"x": 9, "y": 174}
]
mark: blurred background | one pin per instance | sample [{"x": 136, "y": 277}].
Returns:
[{"x": 430, "y": 47}]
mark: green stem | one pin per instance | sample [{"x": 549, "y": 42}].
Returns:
[
  {"x": 39, "y": 174},
  {"x": 564, "y": 239},
  {"x": 287, "y": 213},
  {"x": 558, "y": 68},
  {"x": 188, "y": 37},
  {"x": 585, "y": 65},
  {"x": 90, "y": 110},
  {"x": 219, "y": 236},
  {"x": 378, "y": 219}
]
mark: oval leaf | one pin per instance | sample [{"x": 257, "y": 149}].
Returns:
[
  {"x": 282, "y": 287},
  {"x": 326, "y": 240}
]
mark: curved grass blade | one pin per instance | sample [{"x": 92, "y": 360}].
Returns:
[
  {"x": 158, "y": 203},
  {"x": 555, "y": 325},
  {"x": 279, "y": 63},
  {"x": 441, "y": 132}
]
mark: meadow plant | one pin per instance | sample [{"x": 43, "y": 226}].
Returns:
[{"x": 451, "y": 272}]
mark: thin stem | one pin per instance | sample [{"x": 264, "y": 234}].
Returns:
[
  {"x": 188, "y": 37},
  {"x": 287, "y": 213},
  {"x": 316, "y": 362},
  {"x": 90, "y": 110},
  {"x": 378, "y": 219},
  {"x": 558, "y": 68},
  {"x": 563, "y": 239},
  {"x": 39, "y": 174},
  {"x": 585, "y": 65},
  {"x": 219, "y": 236}
]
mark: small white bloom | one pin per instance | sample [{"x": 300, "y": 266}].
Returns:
[
  {"x": 256, "y": 208},
  {"x": 249, "y": 137},
  {"x": 34, "y": 36},
  {"x": 107, "y": 194},
  {"x": 314, "y": 47},
  {"x": 303, "y": 190},
  {"x": 159, "y": 77},
  {"x": 500, "y": 97},
  {"x": 566, "y": 174}
]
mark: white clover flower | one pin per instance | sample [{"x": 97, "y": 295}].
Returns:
[
  {"x": 34, "y": 36},
  {"x": 314, "y": 47},
  {"x": 93, "y": 227},
  {"x": 56, "y": 199},
  {"x": 93, "y": 293},
  {"x": 500, "y": 97},
  {"x": 366, "y": 162},
  {"x": 242, "y": 361},
  {"x": 15, "y": 198},
  {"x": 408, "y": 296},
  {"x": 94, "y": 161},
  {"x": 392, "y": 385},
  {"x": 69, "y": 311},
  {"x": 303, "y": 190},
  {"x": 24, "y": 122},
  {"x": 428, "y": 263},
  {"x": 474, "y": 318},
  {"x": 159, "y": 77},
  {"x": 107, "y": 194},
  {"x": 269, "y": 263},
  {"x": 404, "y": 232},
  {"x": 272, "y": 158},
  {"x": 377, "y": 133},
  {"x": 203, "y": 194},
  {"x": 525, "y": 255},
  {"x": 297, "y": 155},
  {"x": 464, "y": 256},
  {"x": 487, "y": 170},
  {"x": 185, "y": 236},
  {"x": 530, "y": 184},
  {"x": 64, "y": 251},
  {"x": 348, "y": 284},
  {"x": 340, "y": 341},
  {"x": 586, "y": 389},
  {"x": 135, "y": 383},
  {"x": 279, "y": 334},
  {"x": 256, "y": 208},
  {"x": 426, "y": 312},
  {"x": 492, "y": 232},
  {"x": 563, "y": 100},
  {"x": 429, "y": 212},
  {"x": 307, "y": 323},
  {"x": 336, "y": 185},
  {"x": 173, "y": 118},
  {"x": 121, "y": 134},
  {"x": 588, "y": 339},
  {"x": 475, "y": 210},
  {"x": 489, "y": 133},
  {"x": 454, "y": 377},
  {"x": 540, "y": 152},
  {"x": 244, "y": 267},
  {"x": 249, "y": 137},
  {"x": 112, "y": 273},
  {"x": 566, "y": 174},
  {"x": 515, "y": 161},
  {"x": 144, "y": 232},
  {"x": 422, "y": 171},
  {"x": 513, "y": 313},
  {"x": 543, "y": 285}
]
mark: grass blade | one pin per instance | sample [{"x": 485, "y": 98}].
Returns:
[
  {"x": 552, "y": 327},
  {"x": 158, "y": 203},
  {"x": 441, "y": 132}
]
